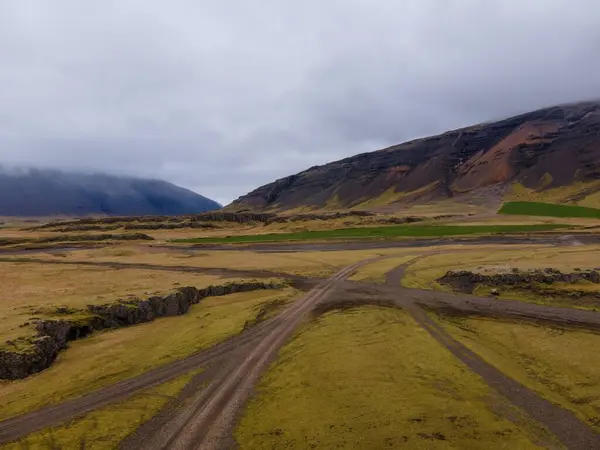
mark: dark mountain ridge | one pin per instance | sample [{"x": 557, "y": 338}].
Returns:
[
  {"x": 543, "y": 149},
  {"x": 44, "y": 192}
]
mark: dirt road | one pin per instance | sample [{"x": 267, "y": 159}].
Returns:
[
  {"x": 251, "y": 351},
  {"x": 567, "y": 427},
  {"x": 564, "y": 424},
  {"x": 206, "y": 421}
]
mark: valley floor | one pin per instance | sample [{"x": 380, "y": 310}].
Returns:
[{"x": 353, "y": 345}]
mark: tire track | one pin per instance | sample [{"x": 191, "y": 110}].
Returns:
[
  {"x": 563, "y": 423},
  {"x": 19, "y": 426},
  {"x": 207, "y": 421}
]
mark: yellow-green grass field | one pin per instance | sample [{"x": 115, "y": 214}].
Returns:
[
  {"x": 562, "y": 365},
  {"x": 104, "y": 428},
  {"x": 371, "y": 378},
  {"x": 35, "y": 290},
  {"x": 110, "y": 356},
  {"x": 309, "y": 263}
]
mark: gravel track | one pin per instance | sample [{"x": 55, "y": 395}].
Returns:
[
  {"x": 207, "y": 420},
  {"x": 564, "y": 424}
]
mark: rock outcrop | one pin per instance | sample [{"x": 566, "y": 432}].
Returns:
[
  {"x": 466, "y": 280},
  {"x": 53, "y": 335}
]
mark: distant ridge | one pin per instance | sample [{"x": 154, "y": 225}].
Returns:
[{"x": 43, "y": 192}]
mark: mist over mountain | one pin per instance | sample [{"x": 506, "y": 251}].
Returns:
[{"x": 44, "y": 192}]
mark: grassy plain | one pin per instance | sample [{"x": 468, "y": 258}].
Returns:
[
  {"x": 376, "y": 233},
  {"x": 562, "y": 365},
  {"x": 30, "y": 290},
  {"x": 548, "y": 209},
  {"x": 103, "y": 429},
  {"x": 371, "y": 378},
  {"x": 110, "y": 356},
  {"x": 368, "y": 378},
  {"x": 308, "y": 263}
]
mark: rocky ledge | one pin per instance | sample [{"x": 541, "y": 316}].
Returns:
[
  {"x": 466, "y": 280},
  {"x": 53, "y": 335}
]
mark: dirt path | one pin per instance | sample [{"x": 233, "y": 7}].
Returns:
[
  {"x": 566, "y": 426},
  {"x": 254, "y": 346},
  {"x": 207, "y": 419},
  {"x": 19, "y": 426}
]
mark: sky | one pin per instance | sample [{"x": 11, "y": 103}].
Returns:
[{"x": 222, "y": 97}]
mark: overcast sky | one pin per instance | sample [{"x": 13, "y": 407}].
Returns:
[{"x": 223, "y": 96}]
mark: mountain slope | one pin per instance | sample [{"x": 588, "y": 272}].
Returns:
[
  {"x": 36, "y": 192},
  {"x": 539, "y": 151}
]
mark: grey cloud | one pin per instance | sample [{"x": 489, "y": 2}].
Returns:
[{"x": 222, "y": 97}]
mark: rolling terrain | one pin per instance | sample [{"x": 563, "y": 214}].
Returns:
[{"x": 552, "y": 153}]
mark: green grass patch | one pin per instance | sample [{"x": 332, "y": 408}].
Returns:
[
  {"x": 375, "y": 233},
  {"x": 548, "y": 209}
]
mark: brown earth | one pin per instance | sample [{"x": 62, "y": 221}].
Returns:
[
  {"x": 205, "y": 417},
  {"x": 541, "y": 149}
]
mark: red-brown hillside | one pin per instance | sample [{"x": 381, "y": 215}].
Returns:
[{"x": 541, "y": 150}]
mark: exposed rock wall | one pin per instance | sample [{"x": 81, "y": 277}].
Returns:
[
  {"x": 466, "y": 280},
  {"x": 53, "y": 335}
]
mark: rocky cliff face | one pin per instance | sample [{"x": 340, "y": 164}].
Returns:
[
  {"x": 542, "y": 149},
  {"x": 53, "y": 335}
]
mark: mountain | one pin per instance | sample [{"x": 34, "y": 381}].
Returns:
[
  {"x": 41, "y": 192},
  {"x": 536, "y": 153}
]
